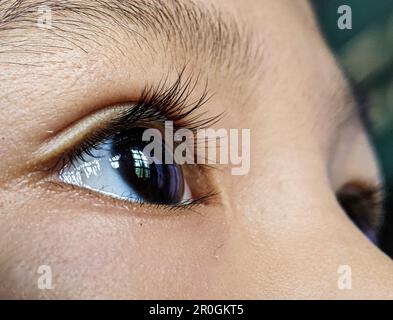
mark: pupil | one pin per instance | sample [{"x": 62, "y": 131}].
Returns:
[{"x": 155, "y": 183}]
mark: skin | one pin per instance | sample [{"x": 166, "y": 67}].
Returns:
[{"x": 277, "y": 232}]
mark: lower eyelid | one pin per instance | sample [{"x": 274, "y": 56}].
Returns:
[
  {"x": 111, "y": 205},
  {"x": 108, "y": 203}
]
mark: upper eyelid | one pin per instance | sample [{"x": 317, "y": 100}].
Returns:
[
  {"x": 78, "y": 132},
  {"x": 162, "y": 102}
]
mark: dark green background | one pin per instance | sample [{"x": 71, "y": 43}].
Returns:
[{"x": 366, "y": 55}]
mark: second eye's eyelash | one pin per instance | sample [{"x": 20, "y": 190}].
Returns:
[
  {"x": 363, "y": 203},
  {"x": 155, "y": 105}
]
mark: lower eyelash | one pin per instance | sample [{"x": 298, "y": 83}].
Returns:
[
  {"x": 210, "y": 198},
  {"x": 189, "y": 205}
]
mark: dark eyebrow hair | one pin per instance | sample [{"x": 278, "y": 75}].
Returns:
[{"x": 201, "y": 32}]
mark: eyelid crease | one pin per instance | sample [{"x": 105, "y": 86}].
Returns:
[{"x": 78, "y": 132}]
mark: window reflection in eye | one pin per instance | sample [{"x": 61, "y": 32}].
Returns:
[
  {"x": 118, "y": 167},
  {"x": 141, "y": 164}
]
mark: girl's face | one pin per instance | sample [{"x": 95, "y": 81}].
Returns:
[{"x": 69, "y": 74}]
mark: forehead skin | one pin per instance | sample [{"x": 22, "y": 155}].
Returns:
[{"x": 278, "y": 233}]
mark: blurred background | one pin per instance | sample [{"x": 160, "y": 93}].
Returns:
[{"x": 366, "y": 55}]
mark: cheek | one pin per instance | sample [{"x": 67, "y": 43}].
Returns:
[{"x": 102, "y": 253}]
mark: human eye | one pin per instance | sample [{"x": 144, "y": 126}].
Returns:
[
  {"x": 113, "y": 160},
  {"x": 121, "y": 168}
]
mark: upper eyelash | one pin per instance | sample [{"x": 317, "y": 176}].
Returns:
[
  {"x": 156, "y": 104},
  {"x": 187, "y": 204},
  {"x": 160, "y": 104}
]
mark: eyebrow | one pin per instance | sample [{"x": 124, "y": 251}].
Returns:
[{"x": 202, "y": 33}]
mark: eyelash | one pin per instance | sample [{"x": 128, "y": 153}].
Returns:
[
  {"x": 364, "y": 205},
  {"x": 156, "y": 104}
]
